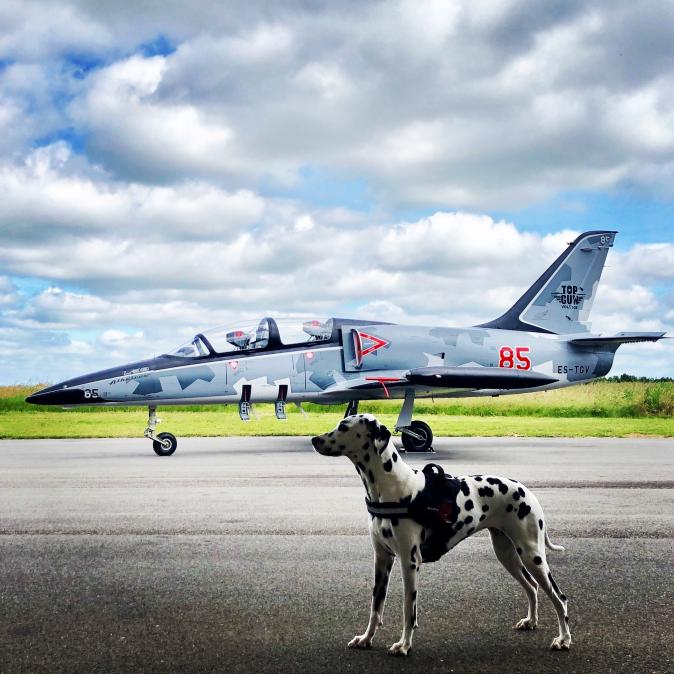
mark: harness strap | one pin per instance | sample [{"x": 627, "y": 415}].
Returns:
[{"x": 387, "y": 509}]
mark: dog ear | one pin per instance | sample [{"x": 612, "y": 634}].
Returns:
[{"x": 384, "y": 433}]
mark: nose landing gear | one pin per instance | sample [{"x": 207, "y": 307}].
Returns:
[{"x": 164, "y": 444}]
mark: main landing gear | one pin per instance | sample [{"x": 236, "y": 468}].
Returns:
[
  {"x": 417, "y": 436},
  {"x": 164, "y": 444}
]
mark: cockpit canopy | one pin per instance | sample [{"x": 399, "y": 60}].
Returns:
[{"x": 248, "y": 336}]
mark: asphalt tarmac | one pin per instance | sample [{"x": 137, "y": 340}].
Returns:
[{"x": 251, "y": 554}]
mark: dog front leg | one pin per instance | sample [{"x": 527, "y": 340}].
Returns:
[
  {"x": 410, "y": 573},
  {"x": 383, "y": 562}
]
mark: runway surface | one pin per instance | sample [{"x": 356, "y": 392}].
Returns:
[{"x": 252, "y": 554}]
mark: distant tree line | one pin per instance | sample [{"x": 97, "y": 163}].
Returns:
[{"x": 624, "y": 377}]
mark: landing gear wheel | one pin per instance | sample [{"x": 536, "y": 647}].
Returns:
[
  {"x": 165, "y": 444},
  {"x": 422, "y": 429}
]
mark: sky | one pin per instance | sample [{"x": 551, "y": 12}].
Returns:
[{"x": 167, "y": 167}]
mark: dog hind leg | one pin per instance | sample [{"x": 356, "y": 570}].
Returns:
[
  {"x": 383, "y": 562},
  {"x": 536, "y": 564},
  {"x": 508, "y": 556}
]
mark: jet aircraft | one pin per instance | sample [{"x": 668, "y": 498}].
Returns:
[{"x": 542, "y": 342}]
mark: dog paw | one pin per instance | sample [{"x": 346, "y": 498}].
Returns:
[
  {"x": 399, "y": 648},
  {"x": 561, "y": 643},
  {"x": 360, "y": 641},
  {"x": 525, "y": 624}
]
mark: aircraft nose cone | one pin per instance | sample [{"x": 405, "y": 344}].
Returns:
[{"x": 56, "y": 395}]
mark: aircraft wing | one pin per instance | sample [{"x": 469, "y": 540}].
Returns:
[
  {"x": 446, "y": 377},
  {"x": 477, "y": 377},
  {"x": 617, "y": 339}
]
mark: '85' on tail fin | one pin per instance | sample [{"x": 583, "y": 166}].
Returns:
[{"x": 560, "y": 300}]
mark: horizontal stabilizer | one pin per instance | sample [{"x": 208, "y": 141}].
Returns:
[
  {"x": 477, "y": 377},
  {"x": 617, "y": 339}
]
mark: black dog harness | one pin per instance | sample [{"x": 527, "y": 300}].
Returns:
[
  {"x": 434, "y": 507},
  {"x": 435, "y": 504}
]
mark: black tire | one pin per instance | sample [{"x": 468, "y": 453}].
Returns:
[
  {"x": 158, "y": 445},
  {"x": 412, "y": 444}
]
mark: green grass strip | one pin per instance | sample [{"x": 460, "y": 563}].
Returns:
[{"x": 219, "y": 422}]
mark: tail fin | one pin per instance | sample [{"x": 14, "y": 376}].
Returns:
[{"x": 561, "y": 299}]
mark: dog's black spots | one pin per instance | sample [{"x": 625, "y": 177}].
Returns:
[
  {"x": 503, "y": 488},
  {"x": 366, "y": 446},
  {"x": 478, "y": 478},
  {"x": 386, "y": 533},
  {"x": 509, "y": 508},
  {"x": 538, "y": 560},
  {"x": 468, "y": 505},
  {"x": 485, "y": 508},
  {"x": 540, "y": 524},
  {"x": 562, "y": 597},
  {"x": 333, "y": 442},
  {"x": 527, "y": 575},
  {"x": 413, "y": 552},
  {"x": 357, "y": 435},
  {"x": 331, "y": 433},
  {"x": 342, "y": 428},
  {"x": 516, "y": 496},
  {"x": 523, "y": 510},
  {"x": 370, "y": 475},
  {"x": 360, "y": 467},
  {"x": 485, "y": 491},
  {"x": 394, "y": 521},
  {"x": 395, "y": 456},
  {"x": 470, "y": 531},
  {"x": 482, "y": 517},
  {"x": 459, "y": 526},
  {"x": 515, "y": 481},
  {"x": 520, "y": 491},
  {"x": 468, "y": 520},
  {"x": 566, "y": 619},
  {"x": 519, "y": 551},
  {"x": 388, "y": 465},
  {"x": 377, "y": 577},
  {"x": 465, "y": 490},
  {"x": 413, "y": 567},
  {"x": 414, "y": 595},
  {"x": 342, "y": 448},
  {"x": 415, "y": 471},
  {"x": 366, "y": 458},
  {"x": 554, "y": 587},
  {"x": 381, "y": 450},
  {"x": 493, "y": 480}
]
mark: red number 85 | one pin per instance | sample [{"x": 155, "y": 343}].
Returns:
[{"x": 507, "y": 357}]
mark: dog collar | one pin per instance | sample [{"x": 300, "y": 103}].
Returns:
[{"x": 387, "y": 509}]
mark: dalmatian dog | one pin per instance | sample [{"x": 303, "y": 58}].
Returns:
[{"x": 505, "y": 507}]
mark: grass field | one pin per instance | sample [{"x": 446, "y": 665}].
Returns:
[{"x": 598, "y": 409}]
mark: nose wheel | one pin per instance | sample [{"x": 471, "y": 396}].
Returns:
[
  {"x": 417, "y": 437},
  {"x": 164, "y": 444}
]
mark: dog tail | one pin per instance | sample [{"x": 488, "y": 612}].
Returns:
[{"x": 551, "y": 545}]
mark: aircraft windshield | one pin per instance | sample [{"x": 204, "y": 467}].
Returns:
[
  {"x": 253, "y": 335},
  {"x": 194, "y": 349}
]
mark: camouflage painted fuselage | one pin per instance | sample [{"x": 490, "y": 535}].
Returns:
[{"x": 328, "y": 372}]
